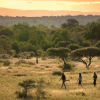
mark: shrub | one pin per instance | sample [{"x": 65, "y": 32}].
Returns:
[
  {"x": 6, "y": 63},
  {"x": 67, "y": 67},
  {"x": 26, "y": 85},
  {"x": 32, "y": 54},
  {"x": 17, "y": 63},
  {"x": 40, "y": 89},
  {"x": 31, "y": 63},
  {"x": 11, "y": 52},
  {"x": 4, "y": 56},
  {"x": 57, "y": 73},
  {"x": 24, "y": 55}
]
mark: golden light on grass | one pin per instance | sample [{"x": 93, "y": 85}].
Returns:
[{"x": 9, "y": 79}]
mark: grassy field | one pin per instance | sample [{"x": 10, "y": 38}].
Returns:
[{"x": 11, "y": 75}]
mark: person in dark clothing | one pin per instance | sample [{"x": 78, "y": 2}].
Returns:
[
  {"x": 94, "y": 78},
  {"x": 63, "y": 78}
]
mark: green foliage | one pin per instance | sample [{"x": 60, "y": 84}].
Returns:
[
  {"x": 72, "y": 23},
  {"x": 32, "y": 54},
  {"x": 85, "y": 52},
  {"x": 11, "y": 52},
  {"x": 24, "y": 55},
  {"x": 62, "y": 43},
  {"x": 93, "y": 31},
  {"x": 76, "y": 34},
  {"x": 97, "y": 44},
  {"x": 6, "y": 31},
  {"x": 64, "y": 25},
  {"x": 88, "y": 52},
  {"x": 39, "y": 53},
  {"x": 5, "y": 44},
  {"x": 15, "y": 46},
  {"x": 60, "y": 35},
  {"x": 44, "y": 55},
  {"x": 67, "y": 67},
  {"x": 73, "y": 46},
  {"x": 85, "y": 44},
  {"x": 59, "y": 52},
  {"x": 27, "y": 47}
]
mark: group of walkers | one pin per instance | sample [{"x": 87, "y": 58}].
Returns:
[{"x": 63, "y": 78}]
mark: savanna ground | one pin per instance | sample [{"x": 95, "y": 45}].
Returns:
[{"x": 11, "y": 75}]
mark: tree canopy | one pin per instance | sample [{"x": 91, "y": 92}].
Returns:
[
  {"x": 59, "y": 52},
  {"x": 88, "y": 52}
]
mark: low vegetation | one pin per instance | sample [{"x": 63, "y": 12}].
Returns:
[{"x": 42, "y": 83}]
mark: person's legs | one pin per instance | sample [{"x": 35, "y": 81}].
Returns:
[
  {"x": 94, "y": 83},
  {"x": 64, "y": 85},
  {"x": 79, "y": 83}
]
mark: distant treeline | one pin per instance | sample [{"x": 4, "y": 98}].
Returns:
[{"x": 47, "y": 20}]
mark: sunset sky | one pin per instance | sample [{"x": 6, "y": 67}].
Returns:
[{"x": 69, "y": 5}]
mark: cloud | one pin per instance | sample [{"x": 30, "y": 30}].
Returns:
[
  {"x": 29, "y": 2},
  {"x": 65, "y": 0}
]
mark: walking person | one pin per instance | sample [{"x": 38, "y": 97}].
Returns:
[
  {"x": 94, "y": 78},
  {"x": 80, "y": 79},
  {"x": 63, "y": 78}
]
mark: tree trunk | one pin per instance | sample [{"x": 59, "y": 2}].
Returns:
[
  {"x": 64, "y": 61},
  {"x": 87, "y": 65},
  {"x": 89, "y": 62},
  {"x": 37, "y": 60}
]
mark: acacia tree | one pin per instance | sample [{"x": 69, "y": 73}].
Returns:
[
  {"x": 59, "y": 52},
  {"x": 88, "y": 52},
  {"x": 73, "y": 46},
  {"x": 62, "y": 43}
]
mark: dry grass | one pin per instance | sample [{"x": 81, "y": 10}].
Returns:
[{"x": 11, "y": 75}]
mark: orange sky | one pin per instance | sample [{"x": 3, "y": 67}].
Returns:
[{"x": 68, "y": 5}]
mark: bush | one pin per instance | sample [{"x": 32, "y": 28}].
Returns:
[
  {"x": 11, "y": 52},
  {"x": 32, "y": 54},
  {"x": 17, "y": 63},
  {"x": 67, "y": 67},
  {"x": 4, "y": 56},
  {"x": 40, "y": 93},
  {"x": 24, "y": 55},
  {"x": 26, "y": 85},
  {"x": 6, "y": 63},
  {"x": 57, "y": 73},
  {"x": 31, "y": 63}
]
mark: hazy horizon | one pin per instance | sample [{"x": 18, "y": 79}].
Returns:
[
  {"x": 40, "y": 13},
  {"x": 73, "y": 7}
]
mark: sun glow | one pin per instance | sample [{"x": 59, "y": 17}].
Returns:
[{"x": 52, "y": 5}]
